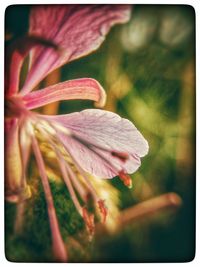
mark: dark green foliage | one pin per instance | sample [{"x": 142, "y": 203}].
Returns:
[{"x": 33, "y": 244}]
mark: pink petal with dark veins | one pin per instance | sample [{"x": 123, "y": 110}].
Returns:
[
  {"x": 107, "y": 130},
  {"x": 15, "y": 55},
  {"x": 85, "y": 88},
  {"x": 77, "y": 29}
]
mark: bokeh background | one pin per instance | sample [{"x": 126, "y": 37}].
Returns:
[{"x": 147, "y": 68}]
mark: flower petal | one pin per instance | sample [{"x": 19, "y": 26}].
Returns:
[
  {"x": 15, "y": 55},
  {"x": 85, "y": 88},
  {"x": 104, "y": 129},
  {"x": 77, "y": 29}
]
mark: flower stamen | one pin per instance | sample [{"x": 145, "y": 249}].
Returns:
[
  {"x": 126, "y": 179},
  {"x": 103, "y": 209},
  {"x": 89, "y": 221},
  {"x": 58, "y": 244},
  {"x": 82, "y": 191},
  {"x": 67, "y": 181}
]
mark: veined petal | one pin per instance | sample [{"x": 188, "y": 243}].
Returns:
[
  {"x": 15, "y": 55},
  {"x": 107, "y": 130},
  {"x": 76, "y": 29},
  {"x": 85, "y": 88}
]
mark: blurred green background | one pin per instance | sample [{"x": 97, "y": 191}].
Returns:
[{"x": 147, "y": 68}]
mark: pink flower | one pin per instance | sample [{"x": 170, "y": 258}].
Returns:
[{"x": 93, "y": 141}]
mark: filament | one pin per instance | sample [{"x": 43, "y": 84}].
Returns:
[{"x": 58, "y": 244}]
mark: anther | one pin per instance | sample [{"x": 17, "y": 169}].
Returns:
[
  {"x": 126, "y": 179},
  {"x": 89, "y": 220},
  {"x": 103, "y": 210}
]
